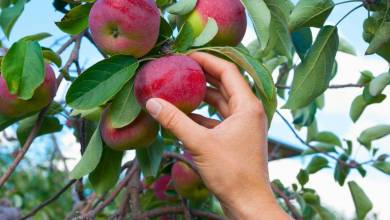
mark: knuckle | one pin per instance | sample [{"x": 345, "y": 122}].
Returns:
[
  {"x": 258, "y": 109},
  {"x": 171, "y": 120}
]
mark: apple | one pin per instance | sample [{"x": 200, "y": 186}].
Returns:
[
  {"x": 177, "y": 79},
  {"x": 161, "y": 186},
  {"x": 12, "y": 106},
  {"x": 230, "y": 16},
  {"x": 138, "y": 134},
  {"x": 128, "y": 27},
  {"x": 188, "y": 183}
]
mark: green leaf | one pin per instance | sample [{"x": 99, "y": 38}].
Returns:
[
  {"x": 261, "y": 19},
  {"x": 6, "y": 122},
  {"x": 36, "y": 37},
  {"x": 373, "y": 133},
  {"x": 310, "y": 13},
  {"x": 362, "y": 203},
  {"x": 208, "y": 33},
  {"x": 8, "y": 16},
  {"x": 328, "y": 137},
  {"x": 381, "y": 38},
  {"x": 359, "y": 104},
  {"x": 314, "y": 73},
  {"x": 76, "y": 20},
  {"x": 316, "y": 164},
  {"x": 383, "y": 166},
  {"x": 341, "y": 171},
  {"x": 323, "y": 147},
  {"x": 106, "y": 174},
  {"x": 23, "y": 68},
  {"x": 365, "y": 77},
  {"x": 90, "y": 158},
  {"x": 312, "y": 131},
  {"x": 124, "y": 108},
  {"x": 303, "y": 177},
  {"x": 101, "y": 82},
  {"x": 182, "y": 7},
  {"x": 50, "y": 124},
  {"x": 323, "y": 213},
  {"x": 379, "y": 84},
  {"x": 185, "y": 39},
  {"x": 302, "y": 40},
  {"x": 311, "y": 198},
  {"x": 150, "y": 158},
  {"x": 51, "y": 56},
  {"x": 346, "y": 47},
  {"x": 273, "y": 63},
  {"x": 261, "y": 76},
  {"x": 280, "y": 40}
]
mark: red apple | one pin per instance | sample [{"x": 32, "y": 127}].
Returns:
[
  {"x": 12, "y": 106},
  {"x": 188, "y": 183},
  {"x": 138, "y": 134},
  {"x": 177, "y": 79},
  {"x": 161, "y": 186},
  {"x": 128, "y": 27},
  {"x": 230, "y": 16}
]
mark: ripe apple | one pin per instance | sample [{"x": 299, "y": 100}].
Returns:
[
  {"x": 12, "y": 106},
  {"x": 138, "y": 134},
  {"x": 177, "y": 79},
  {"x": 128, "y": 27},
  {"x": 161, "y": 186},
  {"x": 188, "y": 183},
  {"x": 230, "y": 16}
]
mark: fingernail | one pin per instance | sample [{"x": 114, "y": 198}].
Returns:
[{"x": 153, "y": 107}]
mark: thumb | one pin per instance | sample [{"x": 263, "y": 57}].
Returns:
[{"x": 175, "y": 120}]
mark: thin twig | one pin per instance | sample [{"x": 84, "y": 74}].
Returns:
[
  {"x": 135, "y": 205},
  {"x": 341, "y": 86},
  {"x": 181, "y": 158},
  {"x": 50, "y": 200},
  {"x": 114, "y": 194},
  {"x": 286, "y": 200}
]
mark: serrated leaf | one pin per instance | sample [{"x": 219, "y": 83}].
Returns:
[
  {"x": 76, "y": 20},
  {"x": 106, "y": 174},
  {"x": 314, "y": 73},
  {"x": 150, "y": 158},
  {"x": 51, "y": 56},
  {"x": 185, "y": 39},
  {"x": 383, "y": 166},
  {"x": 208, "y": 33},
  {"x": 182, "y": 7},
  {"x": 23, "y": 68},
  {"x": 310, "y": 13},
  {"x": 124, "y": 108},
  {"x": 261, "y": 76},
  {"x": 381, "y": 38},
  {"x": 302, "y": 41},
  {"x": 346, "y": 47},
  {"x": 379, "y": 83},
  {"x": 261, "y": 18},
  {"x": 91, "y": 157},
  {"x": 328, "y": 137},
  {"x": 303, "y": 177},
  {"x": 362, "y": 203},
  {"x": 36, "y": 37},
  {"x": 316, "y": 164},
  {"x": 373, "y": 133},
  {"x": 101, "y": 82},
  {"x": 8, "y": 16},
  {"x": 50, "y": 124}
]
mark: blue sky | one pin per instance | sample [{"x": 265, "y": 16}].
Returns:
[{"x": 39, "y": 16}]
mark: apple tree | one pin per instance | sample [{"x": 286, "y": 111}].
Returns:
[{"x": 143, "y": 46}]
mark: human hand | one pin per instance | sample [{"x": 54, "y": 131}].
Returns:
[{"x": 231, "y": 155}]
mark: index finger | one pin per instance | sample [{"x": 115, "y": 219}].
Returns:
[{"x": 226, "y": 72}]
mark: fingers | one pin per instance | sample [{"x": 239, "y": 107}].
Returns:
[
  {"x": 214, "y": 82},
  {"x": 206, "y": 122},
  {"x": 216, "y": 99},
  {"x": 176, "y": 121},
  {"x": 224, "y": 71}
]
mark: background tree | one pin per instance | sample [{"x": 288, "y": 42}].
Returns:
[{"x": 286, "y": 63}]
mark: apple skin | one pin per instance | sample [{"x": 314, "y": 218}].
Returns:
[
  {"x": 161, "y": 186},
  {"x": 177, "y": 79},
  {"x": 230, "y": 16},
  {"x": 128, "y": 27},
  {"x": 14, "y": 107},
  {"x": 188, "y": 183},
  {"x": 138, "y": 134}
]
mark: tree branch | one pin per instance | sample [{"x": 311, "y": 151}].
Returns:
[
  {"x": 47, "y": 202},
  {"x": 134, "y": 185},
  {"x": 286, "y": 200},
  {"x": 179, "y": 210}
]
